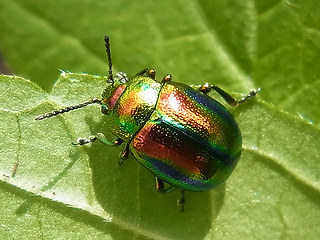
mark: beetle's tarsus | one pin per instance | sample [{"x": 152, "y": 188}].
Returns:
[
  {"x": 251, "y": 94},
  {"x": 82, "y": 141},
  {"x": 99, "y": 136}
]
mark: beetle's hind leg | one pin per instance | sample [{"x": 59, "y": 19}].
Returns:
[
  {"x": 206, "y": 88},
  {"x": 160, "y": 186}
]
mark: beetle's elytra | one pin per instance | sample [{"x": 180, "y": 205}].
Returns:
[{"x": 185, "y": 138}]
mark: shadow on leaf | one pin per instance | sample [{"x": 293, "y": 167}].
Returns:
[{"x": 128, "y": 193}]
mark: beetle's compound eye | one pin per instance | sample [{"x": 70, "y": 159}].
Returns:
[{"x": 105, "y": 110}]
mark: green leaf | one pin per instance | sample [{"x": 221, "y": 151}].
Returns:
[
  {"x": 60, "y": 189},
  {"x": 237, "y": 45}
]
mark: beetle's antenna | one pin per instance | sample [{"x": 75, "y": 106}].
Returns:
[
  {"x": 67, "y": 109},
  {"x": 107, "y": 45}
]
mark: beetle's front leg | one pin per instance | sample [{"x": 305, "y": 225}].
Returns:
[
  {"x": 99, "y": 136},
  {"x": 125, "y": 153},
  {"x": 206, "y": 88}
]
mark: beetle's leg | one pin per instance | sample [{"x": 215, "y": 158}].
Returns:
[
  {"x": 181, "y": 201},
  {"x": 115, "y": 143},
  {"x": 206, "y": 88},
  {"x": 125, "y": 153},
  {"x": 159, "y": 185},
  {"x": 150, "y": 72},
  {"x": 166, "y": 78},
  {"x": 161, "y": 188},
  {"x": 99, "y": 136}
]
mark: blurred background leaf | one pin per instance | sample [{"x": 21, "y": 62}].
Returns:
[{"x": 237, "y": 45}]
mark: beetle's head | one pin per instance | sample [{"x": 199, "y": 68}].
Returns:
[{"x": 112, "y": 92}]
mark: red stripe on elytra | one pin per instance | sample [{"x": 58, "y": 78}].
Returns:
[{"x": 159, "y": 143}]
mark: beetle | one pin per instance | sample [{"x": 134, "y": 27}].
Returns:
[{"x": 188, "y": 140}]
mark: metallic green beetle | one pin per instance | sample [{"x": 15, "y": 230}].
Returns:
[{"x": 185, "y": 138}]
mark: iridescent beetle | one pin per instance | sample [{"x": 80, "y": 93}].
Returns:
[{"x": 185, "y": 138}]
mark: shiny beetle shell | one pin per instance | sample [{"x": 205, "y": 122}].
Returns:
[{"x": 181, "y": 135}]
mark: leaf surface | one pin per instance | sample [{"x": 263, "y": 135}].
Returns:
[
  {"x": 83, "y": 191},
  {"x": 60, "y": 190}
]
